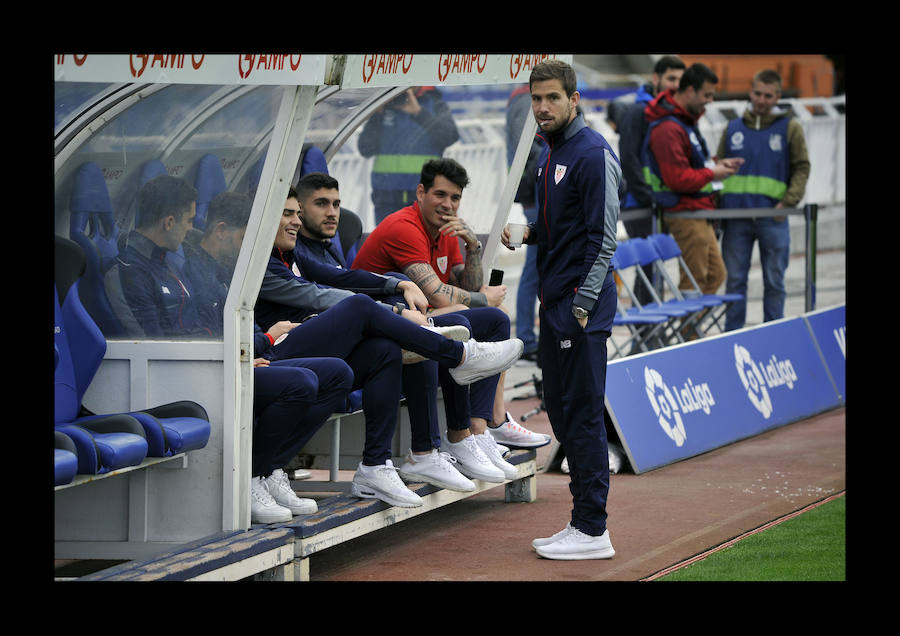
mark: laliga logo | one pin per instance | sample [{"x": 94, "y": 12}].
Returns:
[
  {"x": 664, "y": 406},
  {"x": 758, "y": 378},
  {"x": 752, "y": 381}
]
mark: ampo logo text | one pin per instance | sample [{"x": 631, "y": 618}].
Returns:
[{"x": 669, "y": 403}]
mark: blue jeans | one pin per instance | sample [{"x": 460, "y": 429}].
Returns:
[
  {"x": 774, "y": 239},
  {"x": 527, "y": 293}
]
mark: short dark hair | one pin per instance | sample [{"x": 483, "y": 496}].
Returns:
[
  {"x": 310, "y": 182},
  {"x": 448, "y": 168},
  {"x": 695, "y": 76},
  {"x": 555, "y": 69},
  {"x": 231, "y": 207},
  {"x": 163, "y": 196},
  {"x": 666, "y": 62},
  {"x": 768, "y": 76}
]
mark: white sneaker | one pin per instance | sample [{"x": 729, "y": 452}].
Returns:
[
  {"x": 493, "y": 452},
  {"x": 279, "y": 486},
  {"x": 512, "y": 433},
  {"x": 263, "y": 508},
  {"x": 436, "y": 469},
  {"x": 576, "y": 545},
  {"x": 382, "y": 482},
  {"x": 460, "y": 333},
  {"x": 542, "y": 541},
  {"x": 472, "y": 462},
  {"x": 484, "y": 359}
]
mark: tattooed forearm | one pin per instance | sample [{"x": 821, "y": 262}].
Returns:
[{"x": 438, "y": 294}]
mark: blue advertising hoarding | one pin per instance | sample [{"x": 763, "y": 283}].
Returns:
[
  {"x": 681, "y": 401},
  {"x": 829, "y": 328}
]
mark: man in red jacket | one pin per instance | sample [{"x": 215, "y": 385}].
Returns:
[{"x": 682, "y": 175}]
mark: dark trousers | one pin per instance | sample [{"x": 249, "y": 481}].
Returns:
[
  {"x": 369, "y": 338},
  {"x": 574, "y": 380},
  {"x": 291, "y": 401}
]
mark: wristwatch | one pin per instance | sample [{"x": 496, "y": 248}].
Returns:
[
  {"x": 579, "y": 312},
  {"x": 399, "y": 307}
]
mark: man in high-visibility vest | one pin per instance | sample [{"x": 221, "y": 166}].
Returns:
[{"x": 774, "y": 175}]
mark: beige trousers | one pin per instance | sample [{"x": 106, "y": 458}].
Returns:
[{"x": 700, "y": 249}]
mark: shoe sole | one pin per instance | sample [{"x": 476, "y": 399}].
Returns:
[
  {"x": 414, "y": 478},
  {"x": 464, "y": 379},
  {"x": 307, "y": 510},
  {"x": 577, "y": 556},
  {"x": 493, "y": 479},
  {"x": 365, "y": 492},
  {"x": 521, "y": 444}
]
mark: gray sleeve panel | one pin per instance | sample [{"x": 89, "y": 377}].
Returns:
[
  {"x": 593, "y": 282},
  {"x": 300, "y": 294}
]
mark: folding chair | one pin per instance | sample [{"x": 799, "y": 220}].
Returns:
[
  {"x": 644, "y": 329},
  {"x": 625, "y": 259},
  {"x": 667, "y": 248},
  {"x": 647, "y": 255}
]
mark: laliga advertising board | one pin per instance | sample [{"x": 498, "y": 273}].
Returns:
[{"x": 681, "y": 401}]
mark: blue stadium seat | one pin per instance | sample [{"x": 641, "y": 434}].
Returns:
[
  {"x": 93, "y": 226},
  {"x": 209, "y": 181},
  {"x": 103, "y": 444},
  {"x": 65, "y": 459},
  {"x": 163, "y": 430}
]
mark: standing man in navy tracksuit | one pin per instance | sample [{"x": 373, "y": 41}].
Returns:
[{"x": 578, "y": 183}]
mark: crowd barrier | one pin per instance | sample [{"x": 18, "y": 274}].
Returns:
[{"x": 674, "y": 403}]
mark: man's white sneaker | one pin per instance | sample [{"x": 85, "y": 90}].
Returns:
[
  {"x": 493, "y": 452},
  {"x": 484, "y": 359},
  {"x": 511, "y": 433},
  {"x": 460, "y": 333},
  {"x": 279, "y": 486},
  {"x": 263, "y": 508},
  {"x": 542, "y": 541},
  {"x": 472, "y": 462},
  {"x": 382, "y": 482},
  {"x": 437, "y": 469},
  {"x": 576, "y": 545}
]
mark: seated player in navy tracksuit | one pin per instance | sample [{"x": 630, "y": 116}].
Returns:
[
  {"x": 319, "y": 261},
  {"x": 369, "y": 336}
]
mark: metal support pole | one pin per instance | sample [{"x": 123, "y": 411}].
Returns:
[{"x": 810, "y": 211}]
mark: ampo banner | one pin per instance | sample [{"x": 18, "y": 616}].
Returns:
[{"x": 675, "y": 403}]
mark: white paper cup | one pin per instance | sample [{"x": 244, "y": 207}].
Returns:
[{"x": 516, "y": 232}]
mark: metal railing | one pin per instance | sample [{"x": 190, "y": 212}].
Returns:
[{"x": 810, "y": 212}]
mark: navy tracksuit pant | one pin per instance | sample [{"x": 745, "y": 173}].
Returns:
[
  {"x": 461, "y": 403},
  {"x": 369, "y": 339},
  {"x": 291, "y": 400},
  {"x": 573, "y": 361}
]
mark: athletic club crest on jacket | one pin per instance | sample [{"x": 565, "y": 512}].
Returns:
[{"x": 560, "y": 173}]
